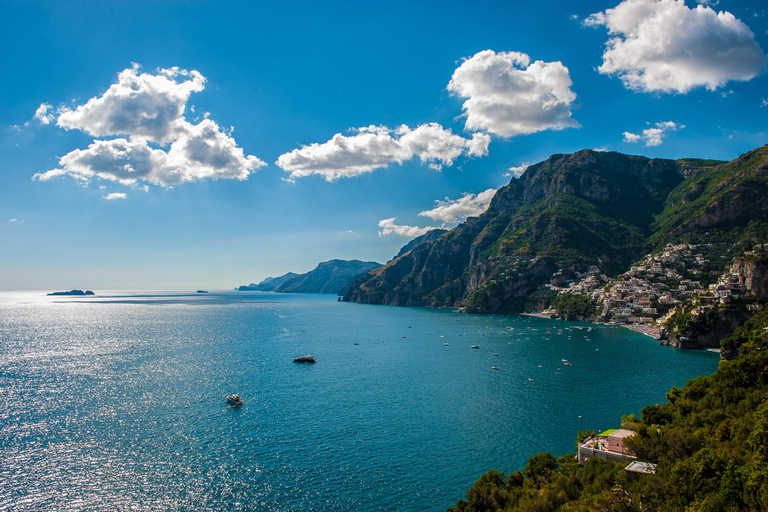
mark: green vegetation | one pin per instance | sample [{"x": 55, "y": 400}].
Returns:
[
  {"x": 576, "y": 307},
  {"x": 709, "y": 441}
]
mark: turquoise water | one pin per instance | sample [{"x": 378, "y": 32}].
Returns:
[{"x": 117, "y": 401}]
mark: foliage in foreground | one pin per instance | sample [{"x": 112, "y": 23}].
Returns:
[{"x": 710, "y": 441}]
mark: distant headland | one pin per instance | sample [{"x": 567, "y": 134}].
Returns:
[{"x": 74, "y": 292}]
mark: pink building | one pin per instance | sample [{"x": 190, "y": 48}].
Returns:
[{"x": 607, "y": 446}]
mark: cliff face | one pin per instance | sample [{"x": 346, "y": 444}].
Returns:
[
  {"x": 588, "y": 208},
  {"x": 753, "y": 275},
  {"x": 727, "y": 202},
  {"x": 571, "y": 212},
  {"x": 720, "y": 327}
]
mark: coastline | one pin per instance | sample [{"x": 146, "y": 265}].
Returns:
[{"x": 652, "y": 331}]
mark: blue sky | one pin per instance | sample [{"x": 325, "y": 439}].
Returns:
[{"x": 185, "y": 145}]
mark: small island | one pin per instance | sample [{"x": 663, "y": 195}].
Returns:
[{"x": 73, "y": 292}]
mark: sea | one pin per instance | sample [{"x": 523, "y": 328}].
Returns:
[{"x": 117, "y": 401}]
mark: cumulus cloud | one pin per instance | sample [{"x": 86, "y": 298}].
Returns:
[
  {"x": 157, "y": 144},
  {"x": 508, "y": 95},
  {"x": 115, "y": 195},
  {"x": 653, "y": 136},
  {"x": 662, "y": 45},
  {"x": 468, "y": 205},
  {"x": 144, "y": 106},
  {"x": 518, "y": 170},
  {"x": 375, "y": 147},
  {"x": 390, "y": 228},
  {"x": 43, "y": 113}
]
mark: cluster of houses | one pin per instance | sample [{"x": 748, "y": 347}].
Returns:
[{"x": 644, "y": 296}]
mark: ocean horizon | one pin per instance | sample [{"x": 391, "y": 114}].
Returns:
[{"x": 117, "y": 401}]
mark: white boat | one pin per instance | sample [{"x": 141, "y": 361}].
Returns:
[
  {"x": 234, "y": 400},
  {"x": 304, "y": 359},
  {"x": 475, "y": 346}
]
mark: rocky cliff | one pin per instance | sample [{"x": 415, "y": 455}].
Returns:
[
  {"x": 752, "y": 272},
  {"x": 588, "y": 208},
  {"x": 570, "y": 212}
]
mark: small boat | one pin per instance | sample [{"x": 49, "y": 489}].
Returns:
[
  {"x": 475, "y": 346},
  {"x": 494, "y": 367},
  {"x": 234, "y": 400},
  {"x": 304, "y": 359}
]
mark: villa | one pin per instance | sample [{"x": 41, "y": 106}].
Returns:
[{"x": 608, "y": 445}]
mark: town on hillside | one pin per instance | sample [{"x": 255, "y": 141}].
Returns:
[{"x": 680, "y": 278}]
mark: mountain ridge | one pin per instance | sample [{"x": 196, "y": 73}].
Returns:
[
  {"x": 333, "y": 276},
  {"x": 573, "y": 211}
]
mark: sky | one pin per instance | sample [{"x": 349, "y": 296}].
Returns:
[{"x": 187, "y": 144}]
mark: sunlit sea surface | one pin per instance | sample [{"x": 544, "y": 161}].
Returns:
[{"x": 117, "y": 401}]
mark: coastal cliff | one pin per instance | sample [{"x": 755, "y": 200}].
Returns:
[{"x": 570, "y": 213}]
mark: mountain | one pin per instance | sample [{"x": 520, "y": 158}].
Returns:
[
  {"x": 429, "y": 236},
  {"x": 726, "y": 203},
  {"x": 268, "y": 284},
  {"x": 334, "y": 276},
  {"x": 570, "y": 212}
]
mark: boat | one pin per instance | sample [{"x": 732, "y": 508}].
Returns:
[
  {"x": 304, "y": 359},
  {"x": 234, "y": 400},
  {"x": 475, "y": 346}
]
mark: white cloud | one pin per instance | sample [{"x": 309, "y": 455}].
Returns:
[
  {"x": 115, "y": 195},
  {"x": 653, "y": 136},
  {"x": 143, "y": 106},
  {"x": 43, "y": 115},
  {"x": 374, "y": 147},
  {"x": 13, "y": 220},
  {"x": 390, "y": 228},
  {"x": 469, "y": 205},
  {"x": 662, "y": 45},
  {"x": 518, "y": 171},
  {"x": 147, "y": 110},
  {"x": 508, "y": 96},
  {"x": 202, "y": 152}
]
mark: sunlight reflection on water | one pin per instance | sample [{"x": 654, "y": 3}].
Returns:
[{"x": 116, "y": 401}]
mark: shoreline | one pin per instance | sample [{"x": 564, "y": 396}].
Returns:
[{"x": 651, "y": 331}]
